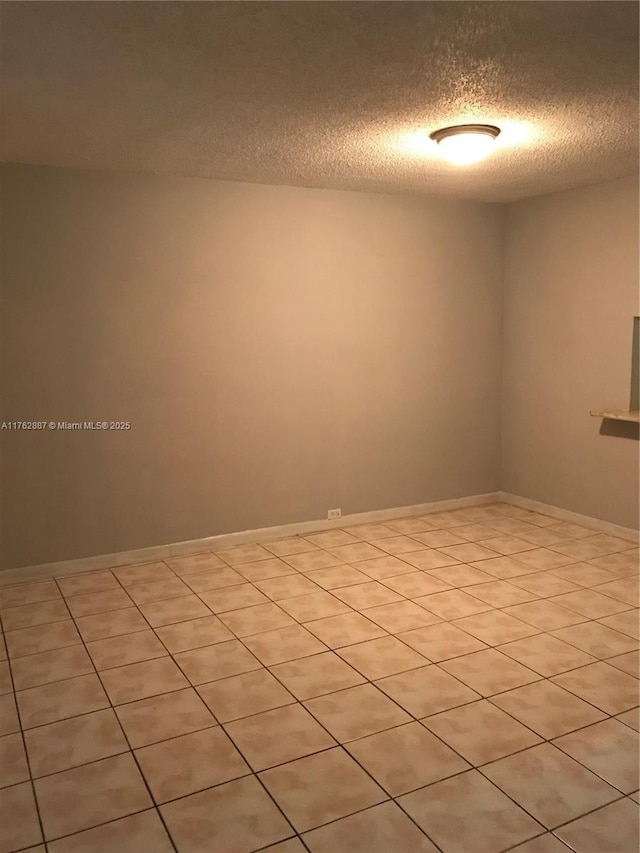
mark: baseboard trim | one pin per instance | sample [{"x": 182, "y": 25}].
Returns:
[
  {"x": 573, "y": 517},
  {"x": 228, "y": 540}
]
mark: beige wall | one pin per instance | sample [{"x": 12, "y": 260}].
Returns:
[
  {"x": 571, "y": 291},
  {"x": 277, "y": 351}
]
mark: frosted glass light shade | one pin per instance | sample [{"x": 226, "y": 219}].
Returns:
[{"x": 466, "y": 144}]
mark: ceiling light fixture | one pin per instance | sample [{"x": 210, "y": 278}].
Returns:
[{"x": 464, "y": 144}]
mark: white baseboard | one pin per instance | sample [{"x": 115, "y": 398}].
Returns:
[
  {"x": 228, "y": 540},
  {"x": 573, "y": 517}
]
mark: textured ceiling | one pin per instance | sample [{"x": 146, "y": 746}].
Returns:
[{"x": 329, "y": 94}]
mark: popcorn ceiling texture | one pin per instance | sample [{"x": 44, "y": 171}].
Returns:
[{"x": 338, "y": 95}]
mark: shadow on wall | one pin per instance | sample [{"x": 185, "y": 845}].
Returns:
[{"x": 620, "y": 429}]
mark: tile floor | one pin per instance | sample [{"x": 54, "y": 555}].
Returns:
[{"x": 463, "y": 681}]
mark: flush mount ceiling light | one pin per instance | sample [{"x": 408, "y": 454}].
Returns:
[{"x": 464, "y": 144}]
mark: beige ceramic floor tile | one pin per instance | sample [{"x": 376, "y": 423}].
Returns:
[
  {"x": 461, "y": 576},
  {"x": 162, "y": 717},
  {"x": 356, "y": 712},
  {"x": 90, "y": 582},
  {"x": 29, "y": 615},
  {"x": 214, "y": 579},
  {"x": 277, "y": 736},
  {"x": 345, "y": 630},
  {"x": 286, "y": 587},
  {"x": 385, "y": 656},
  {"x": 475, "y": 533},
  {"x": 619, "y": 564},
  {"x": 331, "y": 539},
  {"x": 233, "y": 598},
  {"x": 316, "y": 676},
  {"x": 400, "y": 616},
  {"x": 90, "y": 795},
  {"x": 589, "y": 603},
  {"x": 480, "y": 732},
  {"x": 453, "y": 604},
  {"x": 630, "y": 718},
  {"x": 255, "y": 620},
  {"x": 545, "y": 615},
  {"x": 426, "y": 691},
  {"x": 284, "y": 644},
  {"x": 627, "y": 623},
  {"x": 602, "y": 685},
  {"x": 405, "y": 758},
  {"x": 397, "y": 545},
  {"x": 457, "y": 812},
  {"x": 546, "y": 843},
  {"x": 243, "y": 554},
  {"x": 548, "y": 709},
  {"x": 265, "y": 569},
  {"x": 13, "y": 760},
  {"x": 508, "y": 545},
  {"x": 438, "y": 538},
  {"x": 19, "y": 825},
  {"x": 141, "y": 680},
  {"x": 609, "y": 749},
  {"x": 292, "y": 845},
  {"x": 585, "y": 575},
  {"x": 219, "y": 661},
  {"x": 28, "y": 593},
  {"x": 381, "y": 568},
  {"x": 45, "y": 667},
  {"x": 143, "y": 573},
  {"x": 70, "y": 743},
  {"x": 545, "y": 584},
  {"x": 441, "y": 642},
  {"x": 380, "y": 829},
  {"x": 144, "y": 593},
  {"x": 237, "y": 817},
  {"x": 160, "y": 613},
  {"x": 98, "y": 602},
  {"x": 430, "y": 558},
  {"x": 597, "y": 640},
  {"x": 306, "y": 608},
  {"x": 615, "y": 828},
  {"x": 194, "y": 634},
  {"x": 489, "y": 672},
  {"x": 138, "y": 833},
  {"x": 195, "y": 563},
  {"x": 416, "y": 584},
  {"x": 320, "y": 788},
  {"x": 495, "y": 627},
  {"x": 42, "y": 638},
  {"x": 367, "y": 532},
  {"x": 544, "y": 559},
  {"x": 6, "y": 684},
  {"x": 370, "y": 594},
  {"x": 500, "y": 593},
  {"x": 189, "y": 763},
  {"x": 337, "y": 577},
  {"x": 244, "y": 695},
  {"x": 503, "y": 567},
  {"x": 629, "y": 663},
  {"x": 626, "y": 590},
  {"x": 356, "y": 553},
  {"x": 131, "y": 648},
  {"x": 290, "y": 545},
  {"x": 9, "y": 722},
  {"x": 407, "y": 526},
  {"x": 546, "y": 654},
  {"x": 112, "y": 624},
  {"x": 60, "y": 700},
  {"x": 312, "y": 560},
  {"x": 549, "y": 785}
]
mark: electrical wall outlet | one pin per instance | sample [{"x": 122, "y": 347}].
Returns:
[{"x": 334, "y": 513}]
